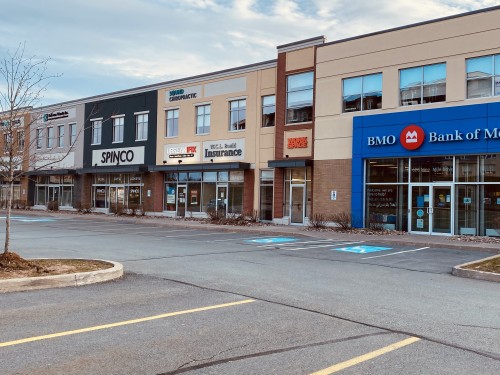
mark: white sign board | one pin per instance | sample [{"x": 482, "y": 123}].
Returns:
[
  {"x": 224, "y": 150},
  {"x": 186, "y": 152},
  {"x": 59, "y": 160},
  {"x": 118, "y": 156}
]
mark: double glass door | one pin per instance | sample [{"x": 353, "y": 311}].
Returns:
[
  {"x": 117, "y": 197},
  {"x": 431, "y": 209}
]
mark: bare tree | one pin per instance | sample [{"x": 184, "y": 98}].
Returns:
[{"x": 24, "y": 80}]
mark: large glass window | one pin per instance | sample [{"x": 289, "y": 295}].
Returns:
[
  {"x": 483, "y": 76},
  {"x": 141, "y": 127},
  {"x": 268, "y": 110},
  {"x": 96, "y": 132},
  {"x": 118, "y": 125},
  {"x": 467, "y": 168},
  {"x": 432, "y": 169},
  {"x": 172, "y": 129},
  {"x": 299, "y": 98},
  {"x": 387, "y": 170},
  {"x": 423, "y": 84},
  {"x": 362, "y": 93},
  {"x": 203, "y": 119},
  {"x": 237, "y": 114}
]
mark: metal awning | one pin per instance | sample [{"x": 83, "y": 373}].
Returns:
[
  {"x": 51, "y": 172},
  {"x": 114, "y": 169},
  {"x": 199, "y": 167},
  {"x": 290, "y": 163}
]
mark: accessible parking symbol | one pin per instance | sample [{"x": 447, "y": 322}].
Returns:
[{"x": 362, "y": 249}]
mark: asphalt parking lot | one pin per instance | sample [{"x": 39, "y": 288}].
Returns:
[{"x": 223, "y": 302}]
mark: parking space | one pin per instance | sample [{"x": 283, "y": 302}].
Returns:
[{"x": 223, "y": 301}]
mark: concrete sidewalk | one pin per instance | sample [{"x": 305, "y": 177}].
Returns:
[{"x": 457, "y": 242}]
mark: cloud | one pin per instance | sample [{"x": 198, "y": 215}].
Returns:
[{"x": 105, "y": 46}]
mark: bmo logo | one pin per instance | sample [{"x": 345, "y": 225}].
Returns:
[{"x": 412, "y": 137}]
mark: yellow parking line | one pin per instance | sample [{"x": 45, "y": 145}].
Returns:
[
  {"x": 365, "y": 357},
  {"x": 118, "y": 324}
]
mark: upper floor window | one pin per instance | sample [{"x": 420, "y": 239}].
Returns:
[
  {"x": 268, "y": 110},
  {"x": 237, "y": 114},
  {"x": 362, "y": 93},
  {"x": 39, "y": 138},
  {"x": 423, "y": 84},
  {"x": 203, "y": 119},
  {"x": 118, "y": 124},
  {"x": 96, "y": 132},
  {"x": 141, "y": 126},
  {"x": 299, "y": 98},
  {"x": 483, "y": 76},
  {"x": 7, "y": 142},
  {"x": 50, "y": 137},
  {"x": 72, "y": 134},
  {"x": 60, "y": 136},
  {"x": 172, "y": 123},
  {"x": 20, "y": 140}
]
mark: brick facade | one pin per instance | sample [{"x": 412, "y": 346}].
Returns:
[{"x": 331, "y": 175}]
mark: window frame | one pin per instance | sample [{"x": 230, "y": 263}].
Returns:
[
  {"x": 264, "y": 115},
  {"x": 422, "y": 85},
  {"x": 72, "y": 135},
  {"x": 39, "y": 138},
  {"x": 143, "y": 125},
  {"x": 290, "y": 91},
  {"x": 174, "y": 121},
  {"x": 238, "y": 110},
  {"x": 492, "y": 76},
  {"x": 362, "y": 93},
  {"x": 118, "y": 124},
  {"x": 60, "y": 137},
  {"x": 205, "y": 116},
  {"x": 21, "y": 140},
  {"x": 96, "y": 131},
  {"x": 50, "y": 137}
]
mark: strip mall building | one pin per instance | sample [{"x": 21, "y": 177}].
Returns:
[{"x": 399, "y": 128}]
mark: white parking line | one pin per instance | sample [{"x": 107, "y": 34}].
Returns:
[
  {"x": 291, "y": 243},
  {"x": 399, "y": 252},
  {"x": 201, "y": 234}
]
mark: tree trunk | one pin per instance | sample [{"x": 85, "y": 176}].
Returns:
[{"x": 10, "y": 190}]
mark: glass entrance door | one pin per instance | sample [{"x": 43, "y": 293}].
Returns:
[
  {"x": 181, "y": 200},
  {"x": 297, "y": 205},
  {"x": 431, "y": 209},
  {"x": 116, "y": 198},
  {"x": 221, "y": 201},
  {"x": 53, "y": 194}
]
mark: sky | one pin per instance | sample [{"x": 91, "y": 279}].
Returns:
[{"x": 101, "y": 46}]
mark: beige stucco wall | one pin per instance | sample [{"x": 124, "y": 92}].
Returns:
[
  {"x": 300, "y": 59},
  {"x": 450, "y": 41}
]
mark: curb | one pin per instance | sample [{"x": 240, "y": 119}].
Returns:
[
  {"x": 473, "y": 274},
  {"x": 60, "y": 281}
]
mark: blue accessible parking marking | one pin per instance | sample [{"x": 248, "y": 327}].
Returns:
[
  {"x": 272, "y": 240},
  {"x": 363, "y": 249},
  {"x": 29, "y": 219}
]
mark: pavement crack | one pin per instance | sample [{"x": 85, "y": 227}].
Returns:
[
  {"x": 494, "y": 356},
  {"x": 183, "y": 368}
]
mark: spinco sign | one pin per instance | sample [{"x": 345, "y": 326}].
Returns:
[{"x": 118, "y": 156}]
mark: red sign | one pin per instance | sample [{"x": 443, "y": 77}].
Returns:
[
  {"x": 412, "y": 137},
  {"x": 300, "y": 142}
]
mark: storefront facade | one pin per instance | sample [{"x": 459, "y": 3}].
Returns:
[
  {"x": 432, "y": 172},
  {"x": 55, "y": 154},
  {"x": 120, "y": 143},
  {"x": 215, "y": 133}
]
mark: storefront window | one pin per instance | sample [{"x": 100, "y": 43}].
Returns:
[
  {"x": 223, "y": 176},
  {"x": 237, "y": 176},
  {"x": 490, "y": 168},
  {"x": 100, "y": 197},
  {"x": 386, "y": 206},
  {"x": 209, "y": 193},
  {"x": 194, "y": 176},
  {"x": 266, "y": 195},
  {"x": 235, "y": 199},
  {"x": 210, "y": 176},
  {"x": 194, "y": 197},
  {"x": 170, "y": 176},
  {"x": 387, "y": 170},
  {"x": 490, "y": 209},
  {"x": 66, "y": 196},
  {"x": 41, "y": 195},
  {"x": 467, "y": 168},
  {"x": 170, "y": 197},
  {"x": 134, "y": 196},
  {"x": 433, "y": 169},
  {"x": 183, "y": 177},
  {"x": 466, "y": 209}
]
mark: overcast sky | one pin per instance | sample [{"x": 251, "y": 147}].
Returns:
[{"x": 101, "y": 46}]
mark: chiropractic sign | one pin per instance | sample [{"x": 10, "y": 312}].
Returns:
[
  {"x": 118, "y": 156},
  {"x": 185, "y": 93},
  {"x": 223, "y": 151}
]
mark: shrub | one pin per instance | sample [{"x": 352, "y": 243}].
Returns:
[
  {"x": 53, "y": 205},
  {"x": 318, "y": 221},
  {"x": 343, "y": 220}
]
